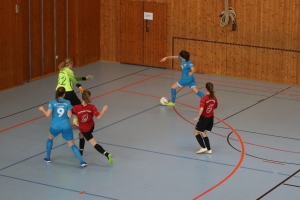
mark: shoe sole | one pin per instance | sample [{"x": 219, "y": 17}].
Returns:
[
  {"x": 201, "y": 152},
  {"x": 47, "y": 161},
  {"x": 83, "y": 165},
  {"x": 110, "y": 159}
]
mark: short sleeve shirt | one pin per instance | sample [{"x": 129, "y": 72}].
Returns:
[
  {"x": 208, "y": 106},
  {"x": 60, "y": 108},
  {"x": 85, "y": 116},
  {"x": 185, "y": 67}
]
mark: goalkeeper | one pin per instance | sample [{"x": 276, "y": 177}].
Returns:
[{"x": 66, "y": 79}]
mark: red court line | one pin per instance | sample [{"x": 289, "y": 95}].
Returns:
[
  {"x": 273, "y": 162},
  {"x": 240, "y": 83},
  {"x": 26, "y": 122},
  {"x": 34, "y": 119},
  {"x": 243, "y": 88},
  {"x": 241, "y": 142},
  {"x": 266, "y": 147},
  {"x": 135, "y": 83}
]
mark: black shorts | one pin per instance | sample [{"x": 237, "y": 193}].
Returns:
[
  {"x": 88, "y": 135},
  {"x": 72, "y": 97},
  {"x": 205, "y": 124}
]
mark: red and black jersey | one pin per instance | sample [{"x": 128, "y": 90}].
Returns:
[
  {"x": 208, "y": 106},
  {"x": 85, "y": 116}
]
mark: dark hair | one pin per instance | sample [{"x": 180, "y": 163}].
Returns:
[
  {"x": 184, "y": 54},
  {"x": 210, "y": 87},
  {"x": 86, "y": 96},
  {"x": 59, "y": 93}
]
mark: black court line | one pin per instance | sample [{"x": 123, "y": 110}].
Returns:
[
  {"x": 291, "y": 185},
  {"x": 75, "y": 92},
  {"x": 253, "y": 104},
  {"x": 275, "y": 161},
  {"x": 278, "y": 185},
  {"x": 259, "y": 133}
]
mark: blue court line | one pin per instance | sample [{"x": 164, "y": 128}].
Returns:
[
  {"x": 178, "y": 156},
  {"x": 67, "y": 189}
]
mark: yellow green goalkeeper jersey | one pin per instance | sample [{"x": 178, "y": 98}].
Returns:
[{"x": 66, "y": 78}]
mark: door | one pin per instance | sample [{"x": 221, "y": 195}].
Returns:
[{"x": 143, "y": 42}]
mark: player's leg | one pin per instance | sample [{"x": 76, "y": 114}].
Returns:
[
  {"x": 173, "y": 93},
  {"x": 67, "y": 134},
  {"x": 193, "y": 86},
  {"x": 49, "y": 144},
  {"x": 204, "y": 135},
  {"x": 199, "y": 129},
  {"x": 81, "y": 143},
  {"x": 89, "y": 137}
]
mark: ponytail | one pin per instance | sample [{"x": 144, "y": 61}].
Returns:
[
  {"x": 86, "y": 96},
  {"x": 210, "y": 87},
  {"x": 66, "y": 63},
  {"x": 59, "y": 93}
]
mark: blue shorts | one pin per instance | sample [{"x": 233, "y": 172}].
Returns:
[
  {"x": 67, "y": 133},
  {"x": 190, "y": 81}
]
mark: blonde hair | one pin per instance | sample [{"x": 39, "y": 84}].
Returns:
[{"x": 66, "y": 63}]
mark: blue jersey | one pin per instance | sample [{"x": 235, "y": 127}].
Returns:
[
  {"x": 186, "y": 67},
  {"x": 60, "y": 119}
]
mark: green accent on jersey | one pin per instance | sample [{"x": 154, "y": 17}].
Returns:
[{"x": 66, "y": 78}]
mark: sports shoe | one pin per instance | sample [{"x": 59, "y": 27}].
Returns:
[
  {"x": 209, "y": 152},
  {"x": 47, "y": 160},
  {"x": 110, "y": 159},
  {"x": 170, "y": 104},
  {"x": 83, "y": 164},
  {"x": 202, "y": 150}
]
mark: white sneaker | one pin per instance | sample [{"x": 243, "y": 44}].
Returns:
[
  {"x": 202, "y": 150},
  {"x": 209, "y": 152}
]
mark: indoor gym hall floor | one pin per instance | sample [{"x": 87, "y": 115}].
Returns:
[{"x": 255, "y": 144}]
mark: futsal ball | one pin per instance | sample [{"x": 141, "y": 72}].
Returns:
[{"x": 164, "y": 101}]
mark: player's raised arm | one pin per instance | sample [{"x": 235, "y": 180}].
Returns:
[{"x": 168, "y": 57}]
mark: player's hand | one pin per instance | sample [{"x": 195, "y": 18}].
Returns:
[
  {"x": 41, "y": 108},
  {"x": 164, "y": 59},
  {"x": 81, "y": 89},
  {"x": 196, "y": 118},
  {"x": 89, "y": 77},
  {"x": 105, "y": 108}
]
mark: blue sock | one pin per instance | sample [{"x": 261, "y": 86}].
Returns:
[
  {"x": 76, "y": 152},
  {"x": 173, "y": 94},
  {"x": 49, "y": 145},
  {"x": 200, "y": 94}
]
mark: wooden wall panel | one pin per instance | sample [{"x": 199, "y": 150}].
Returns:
[
  {"x": 208, "y": 58},
  {"x": 61, "y": 32},
  {"x": 36, "y": 38},
  {"x": 73, "y": 40},
  {"x": 262, "y": 64},
  {"x": 131, "y": 32},
  {"x": 110, "y": 30},
  {"x": 49, "y": 62},
  {"x": 6, "y": 38},
  {"x": 155, "y": 40},
  {"x": 22, "y": 26}
]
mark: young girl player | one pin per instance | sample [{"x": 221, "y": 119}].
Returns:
[
  {"x": 85, "y": 112},
  {"x": 187, "y": 76},
  {"x": 205, "y": 116}
]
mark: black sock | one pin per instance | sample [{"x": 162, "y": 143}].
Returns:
[
  {"x": 200, "y": 140},
  {"x": 206, "y": 141},
  {"x": 100, "y": 149},
  {"x": 81, "y": 145}
]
